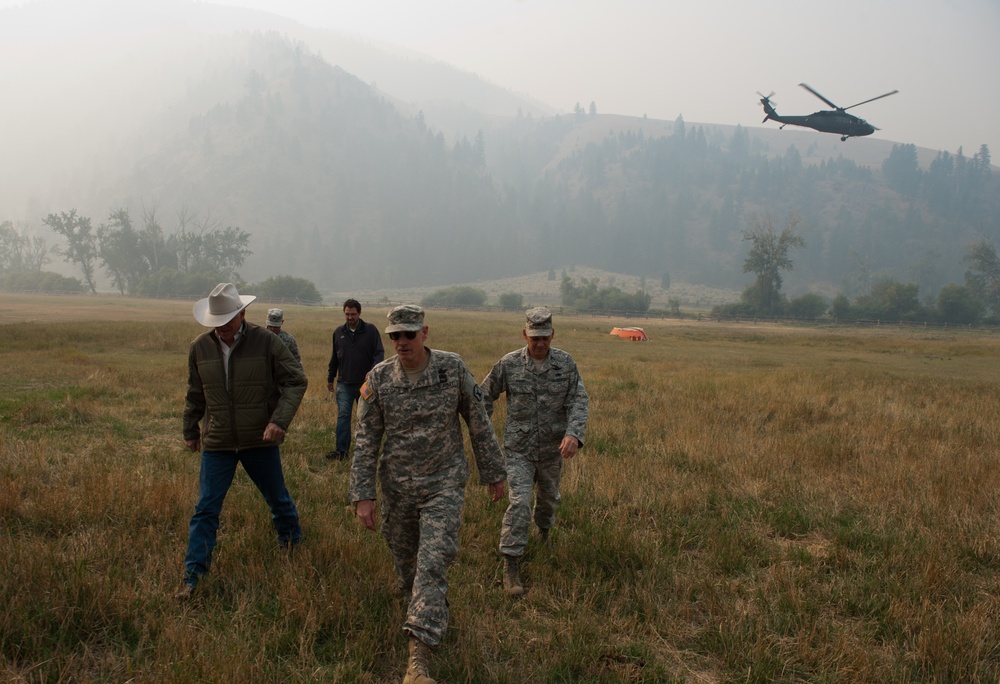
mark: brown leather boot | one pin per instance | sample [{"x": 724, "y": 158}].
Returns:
[
  {"x": 511, "y": 576},
  {"x": 417, "y": 666}
]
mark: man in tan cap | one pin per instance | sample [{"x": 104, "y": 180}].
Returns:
[
  {"x": 244, "y": 387},
  {"x": 414, "y": 401},
  {"x": 546, "y": 420}
]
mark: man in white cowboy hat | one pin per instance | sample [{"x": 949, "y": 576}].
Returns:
[
  {"x": 275, "y": 319},
  {"x": 244, "y": 387}
]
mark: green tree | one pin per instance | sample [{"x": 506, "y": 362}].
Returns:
[
  {"x": 211, "y": 249},
  {"x": 456, "y": 296},
  {"x": 587, "y": 297},
  {"x": 289, "y": 287},
  {"x": 809, "y": 306},
  {"x": 768, "y": 257},
  {"x": 168, "y": 282},
  {"x": 983, "y": 276},
  {"x": 120, "y": 251},
  {"x": 891, "y": 300},
  {"x": 81, "y": 243},
  {"x": 511, "y": 301},
  {"x": 958, "y": 304},
  {"x": 675, "y": 306},
  {"x": 840, "y": 309},
  {"x": 901, "y": 170},
  {"x": 39, "y": 281}
]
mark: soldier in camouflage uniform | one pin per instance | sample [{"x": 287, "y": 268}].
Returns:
[
  {"x": 546, "y": 420},
  {"x": 275, "y": 319},
  {"x": 414, "y": 401}
]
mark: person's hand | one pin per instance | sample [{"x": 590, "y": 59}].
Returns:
[
  {"x": 331, "y": 386},
  {"x": 365, "y": 510},
  {"x": 273, "y": 433},
  {"x": 193, "y": 444},
  {"x": 569, "y": 446},
  {"x": 497, "y": 490}
]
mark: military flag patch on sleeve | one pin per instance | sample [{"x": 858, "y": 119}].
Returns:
[{"x": 366, "y": 391}]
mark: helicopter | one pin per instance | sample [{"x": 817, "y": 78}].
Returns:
[{"x": 837, "y": 121}]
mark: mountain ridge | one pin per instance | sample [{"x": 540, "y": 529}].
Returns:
[{"x": 342, "y": 182}]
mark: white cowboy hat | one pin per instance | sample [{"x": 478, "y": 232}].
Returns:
[{"x": 221, "y": 306}]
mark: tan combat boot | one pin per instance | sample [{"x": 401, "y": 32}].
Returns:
[
  {"x": 511, "y": 577},
  {"x": 416, "y": 668}
]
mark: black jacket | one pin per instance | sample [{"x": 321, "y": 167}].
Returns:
[{"x": 354, "y": 354}]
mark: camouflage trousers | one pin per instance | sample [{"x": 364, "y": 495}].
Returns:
[
  {"x": 422, "y": 534},
  {"x": 523, "y": 476}
]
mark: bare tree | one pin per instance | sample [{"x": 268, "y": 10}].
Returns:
[{"x": 20, "y": 249}]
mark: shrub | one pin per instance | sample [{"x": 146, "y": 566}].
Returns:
[
  {"x": 456, "y": 296},
  {"x": 39, "y": 281},
  {"x": 511, "y": 301},
  {"x": 841, "y": 308},
  {"x": 288, "y": 287},
  {"x": 168, "y": 282},
  {"x": 958, "y": 304},
  {"x": 587, "y": 297},
  {"x": 808, "y": 306}
]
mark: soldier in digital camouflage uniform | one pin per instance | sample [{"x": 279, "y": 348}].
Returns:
[
  {"x": 546, "y": 420},
  {"x": 275, "y": 319},
  {"x": 414, "y": 401}
]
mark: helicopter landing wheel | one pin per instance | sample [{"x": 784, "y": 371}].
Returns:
[{"x": 843, "y": 138}]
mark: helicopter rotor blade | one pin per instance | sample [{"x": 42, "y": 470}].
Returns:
[
  {"x": 871, "y": 100},
  {"x": 820, "y": 96}
]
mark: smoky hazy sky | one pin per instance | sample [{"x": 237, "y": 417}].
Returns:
[{"x": 705, "y": 60}]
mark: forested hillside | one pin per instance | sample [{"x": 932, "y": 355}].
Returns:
[{"x": 336, "y": 182}]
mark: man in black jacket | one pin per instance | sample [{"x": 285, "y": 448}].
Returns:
[{"x": 357, "y": 347}]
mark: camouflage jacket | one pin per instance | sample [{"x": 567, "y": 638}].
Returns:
[
  {"x": 423, "y": 451},
  {"x": 542, "y": 406},
  {"x": 290, "y": 342}
]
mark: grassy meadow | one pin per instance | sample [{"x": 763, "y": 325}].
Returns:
[{"x": 753, "y": 504}]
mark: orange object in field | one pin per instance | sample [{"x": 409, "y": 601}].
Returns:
[{"x": 634, "y": 334}]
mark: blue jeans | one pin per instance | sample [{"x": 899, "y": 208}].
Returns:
[
  {"x": 218, "y": 468},
  {"x": 347, "y": 395}
]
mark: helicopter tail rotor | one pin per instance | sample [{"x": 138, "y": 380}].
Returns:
[{"x": 768, "y": 105}]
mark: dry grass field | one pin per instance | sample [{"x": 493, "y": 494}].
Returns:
[{"x": 753, "y": 504}]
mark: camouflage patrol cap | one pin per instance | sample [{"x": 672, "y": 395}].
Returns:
[
  {"x": 405, "y": 317},
  {"x": 275, "y": 317},
  {"x": 538, "y": 322}
]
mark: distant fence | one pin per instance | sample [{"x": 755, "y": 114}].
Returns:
[{"x": 567, "y": 311}]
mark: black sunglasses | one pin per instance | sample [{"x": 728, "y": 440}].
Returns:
[{"x": 410, "y": 334}]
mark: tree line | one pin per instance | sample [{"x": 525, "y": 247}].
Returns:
[
  {"x": 139, "y": 259},
  {"x": 976, "y": 300}
]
